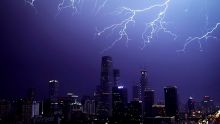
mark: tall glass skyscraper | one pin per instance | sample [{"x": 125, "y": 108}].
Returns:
[
  {"x": 105, "y": 103},
  {"x": 52, "y": 104},
  {"x": 142, "y": 84},
  {"x": 148, "y": 103},
  {"x": 171, "y": 100},
  {"x": 116, "y": 77},
  {"x": 53, "y": 90}
]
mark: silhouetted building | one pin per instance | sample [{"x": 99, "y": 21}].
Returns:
[
  {"x": 135, "y": 93},
  {"x": 69, "y": 105},
  {"x": 171, "y": 100},
  {"x": 31, "y": 94},
  {"x": 88, "y": 105},
  {"x": 191, "y": 106},
  {"x": 5, "y": 110},
  {"x": 53, "y": 97},
  {"x": 134, "y": 112},
  {"x": 29, "y": 109},
  {"x": 104, "y": 109},
  {"x": 119, "y": 100},
  {"x": 98, "y": 102},
  {"x": 148, "y": 102},
  {"x": 142, "y": 84},
  {"x": 207, "y": 105},
  {"x": 53, "y": 90},
  {"x": 116, "y": 77}
]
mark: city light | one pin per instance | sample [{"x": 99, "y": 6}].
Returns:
[{"x": 120, "y": 87}]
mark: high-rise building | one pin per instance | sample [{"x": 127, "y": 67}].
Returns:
[
  {"x": 98, "y": 102},
  {"x": 31, "y": 94},
  {"x": 207, "y": 105},
  {"x": 116, "y": 77},
  {"x": 5, "y": 109},
  {"x": 135, "y": 93},
  {"x": 119, "y": 103},
  {"x": 29, "y": 110},
  {"x": 53, "y": 90},
  {"x": 134, "y": 112},
  {"x": 148, "y": 102},
  {"x": 122, "y": 95},
  {"x": 85, "y": 101},
  {"x": 105, "y": 103},
  {"x": 171, "y": 100},
  {"x": 142, "y": 84},
  {"x": 69, "y": 105},
  {"x": 191, "y": 106},
  {"x": 35, "y": 108},
  {"x": 88, "y": 105},
  {"x": 53, "y": 98},
  {"x": 106, "y": 74}
]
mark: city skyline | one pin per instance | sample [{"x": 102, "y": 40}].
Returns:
[
  {"x": 107, "y": 65},
  {"x": 109, "y": 62},
  {"x": 108, "y": 104}
]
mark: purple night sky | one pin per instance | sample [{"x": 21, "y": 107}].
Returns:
[{"x": 39, "y": 46}]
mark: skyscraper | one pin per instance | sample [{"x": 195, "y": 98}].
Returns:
[
  {"x": 98, "y": 102},
  {"x": 53, "y": 100},
  {"x": 148, "y": 102},
  {"x": 116, "y": 77},
  {"x": 119, "y": 102},
  {"x": 107, "y": 74},
  {"x": 142, "y": 84},
  {"x": 207, "y": 105},
  {"x": 135, "y": 93},
  {"x": 53, "y": 90},
  {"x": 171, "y": 100},
  {"x": 191, "y": 106},
  {"x": 105, "y": 107},
  {"x": 31, "y": 94},
  {"x": 88, "y": 105},
  {"x": 134, "y": 112}
]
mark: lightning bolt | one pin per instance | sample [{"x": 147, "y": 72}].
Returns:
[
  {"x": 205, "y": 36},
  {"x": 151, "y": 28},
  {"x": 65, "y": 4},
  {"x": 158, "y": 24},
  {"x": 31, "y": 3},
  {"x": 199, "y": 39},
  {"x": 100, "y": 7}
]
